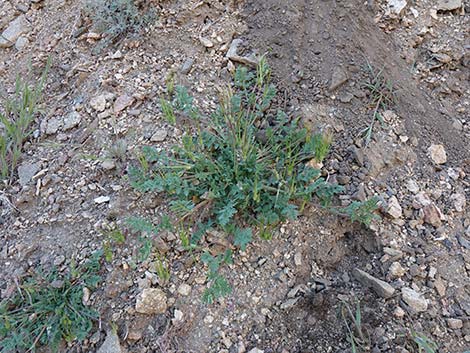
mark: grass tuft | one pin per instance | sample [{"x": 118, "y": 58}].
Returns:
[
  {"x": 357, "y": 334},
  {"x": 47, "y": 308},
  {"x": 381, "y": 97},
  {"x": 16, "y": 119}
]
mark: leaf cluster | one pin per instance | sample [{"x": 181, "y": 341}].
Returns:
[
  {"x": 48, "y": 308},
  {"x": 218, "y": 287}
]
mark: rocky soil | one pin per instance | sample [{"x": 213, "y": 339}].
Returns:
[{"x": 409, "y": 271}]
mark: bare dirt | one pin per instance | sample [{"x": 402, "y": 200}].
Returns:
[{"x": 288, "y": 293}]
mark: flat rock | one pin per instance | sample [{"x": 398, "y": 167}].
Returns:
[
  {"x": 459, "y": 201},
  {"x": 440, "y": 287},
  {"x": 108, "y": 164},
  {"x": 421, "y": 200},
  {"x": 433, "y": 215},
  {"x": 21, "y": 43},
  {"x": 15, "y": 29},
  {"x": 438, "y": 154},
  {"x": 26, "y": 171},
  {"x": 394, "y": 209},
  {"x": 101, "y": 199},
  {"x": 122, "y": 102},
  {"x": 232, "y": 54},
  {"x": 397, "y": 6},
  {"x": 383, "y": 289},
  {"x": 151, "y": 301},
  {"x": 53, "y": 125},
  {"x": 396, "y": 270},
  {"x": 71, "y": 120},
  {"x": 206, "y": 42},
  {"x": 455, "y": 324},
  {"x": 159, "y": 135},
  {"x": 184, "y": 289},
  {"x": 414, "y": 299},
  {"x": 339, "y": 77},
  {"x": 449, "y": 5},
  {"x": 187, "y": 65},
  {"x": 412, "y": 186},
  {"x": 111, "y": 343},
  {"x": 256, "y": 350},
  {"x": 98, "y": 103}
]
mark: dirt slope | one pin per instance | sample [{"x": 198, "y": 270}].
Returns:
[{"x": 318, "y": 37}]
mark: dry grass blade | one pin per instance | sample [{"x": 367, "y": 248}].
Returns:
[{"x": 382, "y": 97}]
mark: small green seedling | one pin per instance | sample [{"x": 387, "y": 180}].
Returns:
[
  {"x": 162, "y": 270},
  {"x": 424, "y": 344}
]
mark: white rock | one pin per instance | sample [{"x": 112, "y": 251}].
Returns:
[
  {"x": 101, "y": 199},
  {"x": 394, "y": 209},
  {"x": 415, "y": 300},
  {"x": 184, "y": 289},
  {"x": 453, "y": 174},
  {"x": 380, "y": 287},
  {"x": 108, "y": 164},
  {"x": 159, "y": 135},
  {"x": 421, "y": 200},
  {"x": 455, "y": 324},
  {"x": 15, "y": 29},
  {"x": 21, "y": 43},
  {"x": 412, "y": 186},
  {"x": 71, "y": 120},
  {"x": 111, "y": 343},
  {"x": 86, "y": 296},
  {"x": 298, "y": 259},
  {"x": 209, "y": 319},
  {"x": 151, "y": 301},
  {"x": 117, "y": 55},
  {"x": 399, "y": 312},
  {"x": 177, "y": 316},
  {"x": 26, "y": 171},
  {"x": 206, "y": 42},
  {"x": 396, "y": 270},
  {"x": 98, "y": 103},
  {"x": 397, "y": 6},
  {"x": 53, "y": 125},
  {"x": 459, "y": 202},
  {"x": 449, "y": 5},
  {"x": 256, "y": 350},
  {"x": 438, "y": 154}
]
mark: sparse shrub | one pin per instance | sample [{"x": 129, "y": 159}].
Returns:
[
  {"x": 16, "y": 119},
  {"x": 116, "y": 18},
  {"x": 47, "y": 308},
  {"x": 245, "y": 169}
]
